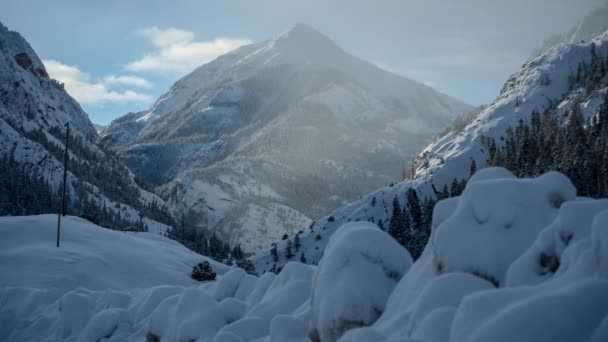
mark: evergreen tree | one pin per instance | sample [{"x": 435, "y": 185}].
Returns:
[
  {"x": 472, "y": 168},
  {"x": 203, "y": 272},
  {"x": 296, "y": 242},
  {"x": 415, "y": 211},
  {"x": 274, "y": 253}
]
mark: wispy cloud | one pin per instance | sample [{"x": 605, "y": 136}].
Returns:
[
  {"x": 426, "y": 77},
  {"x": 177, "y": 51},
  {"x": 88, "y": 91}
]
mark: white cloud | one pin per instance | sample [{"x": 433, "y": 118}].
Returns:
[
  {"x": 177, "y": 50},
  {"x": 86, "y": 91},
  {"x": 127, "y": 80}
]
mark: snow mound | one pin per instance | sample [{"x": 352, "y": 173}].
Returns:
[{"x": 355, "y": 278}]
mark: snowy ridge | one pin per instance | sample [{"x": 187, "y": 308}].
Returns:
[
  {"x": 301, "y": 113},
  {"x": 450, "y": 156},
  {"x": 34, "y": 110},
  {"x": 552, "y": 264}
]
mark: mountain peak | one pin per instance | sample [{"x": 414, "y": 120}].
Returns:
[
  {"x": 304, "y": 29},
  {"x": 305, "y": 36}
]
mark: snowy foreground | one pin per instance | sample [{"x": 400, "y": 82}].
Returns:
[{"x": 509, "y": 260}]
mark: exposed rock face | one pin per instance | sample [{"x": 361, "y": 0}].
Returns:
[{"x": 23, "y": 59}]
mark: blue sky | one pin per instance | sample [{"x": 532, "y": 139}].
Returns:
[{"x": 119, "y": 56}]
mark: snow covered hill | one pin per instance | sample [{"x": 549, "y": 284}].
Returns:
[
  {"x": 544, "y": 83},
  {"x": 508, "y": 260},
  {"x": 277, "y": 132},
  {"x": 90, "y": 256},
  {"x": 34, "y": 110}
]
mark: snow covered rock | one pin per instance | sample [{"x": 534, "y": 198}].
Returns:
[
  {"x": 548, "y": 253},
  {"x": 191, "y": 315},
  {"x": 568, "y": 314},
  {"x": 497, "y": 219},
  {"x": 289, "y": 290},
  {"x": 360, "y": 267},
  {"x": 284, "y": 328}
]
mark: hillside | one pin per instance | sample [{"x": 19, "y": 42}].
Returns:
[{"x": 34, "y": 112}]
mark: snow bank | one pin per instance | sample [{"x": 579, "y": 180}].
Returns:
[{"x": 355, "y": 278}]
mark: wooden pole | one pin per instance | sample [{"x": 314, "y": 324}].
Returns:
[{"x": 63, "y": 206}]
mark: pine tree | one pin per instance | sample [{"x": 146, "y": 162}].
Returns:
[
  {"x": 472, "y": 168},
  {"x": 288, "y": 250},
  {"x": 302, "y": 258}
]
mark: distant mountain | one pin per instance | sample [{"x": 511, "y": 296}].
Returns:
[
  {"x": 34, "y": 111},
  {"x": 550, "y": 115},
  {"x": 99, "y": 128},
  {"x": 260, "y": 140}
]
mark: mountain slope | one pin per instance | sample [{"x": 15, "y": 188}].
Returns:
[
  {"x": 545, "y": 83},
  {"x": 34, "y": 111},
  {"x": 289, "y": 123}
]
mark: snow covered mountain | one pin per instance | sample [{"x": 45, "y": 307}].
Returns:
[
  {"x": 34, "y": 110},
  {"x": 565, "y": 79},
  {"x": 258, "y": 141}
]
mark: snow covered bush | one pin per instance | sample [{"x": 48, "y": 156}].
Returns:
[
  {"x": 203, "y": 272},
  {"x": 360, "y": 267}
]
